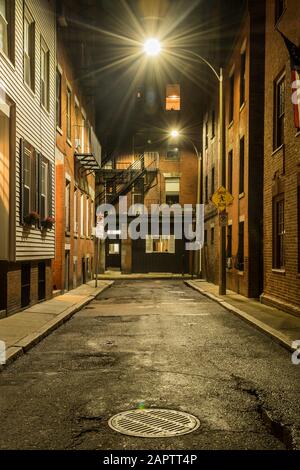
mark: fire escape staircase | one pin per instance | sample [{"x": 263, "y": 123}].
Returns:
[{"x": 118, "y": 183}]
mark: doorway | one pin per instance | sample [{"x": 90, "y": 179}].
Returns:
[
  {"x": 67, "y": 270},
  {"x": 83, "y": 270},
  {"x": 42, "y": 281},
  {"x": 113, "y": 254},
  {"x": 25, "y": 285}
]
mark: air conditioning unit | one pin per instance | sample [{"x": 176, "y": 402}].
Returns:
[
  {"x": 229, "y": 263},
  {"x": 77, "y": 144}
]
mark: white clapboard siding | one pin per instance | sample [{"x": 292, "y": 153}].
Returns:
[{"x": 33, "y": 123}]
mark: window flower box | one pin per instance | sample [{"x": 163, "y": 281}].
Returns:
[
  {"x": 31, "y": 219},
  {"x": 48, "y": 223}
]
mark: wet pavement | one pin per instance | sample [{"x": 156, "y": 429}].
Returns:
[{"x": 163, "y": 344}]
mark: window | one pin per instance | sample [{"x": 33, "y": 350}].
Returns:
[
  {"x": 75, "y": 202},
  {"x": 212, "y": 236},
  {"x": 205, "y": 237},
  {"x": 280, "y": 6},
  {"x": 137, "y": 192},
  {"x": 67, "y": 206},
  {"x": 206, "y": 189},
  {"x": 82, "y": 134},
  {"x": 278, "y": 233},
  {"x": 114, "y": 248},
  {"x": 160, "y": 244},
  {"x": 279, "y": 109},
  {"x": 242, "y": 166},
  {"x": 172, "y": 187},
  {"x": 229, "y": 241},
  {"x": 213, "y": 124},
  {"x": 231, "y": 98},
  {"x": 206, "y": 135},
  {"x": 58, "y": 98},
  {"x": 7, "y": 28},
  {"x": 68, "y": 113},
  {"x": 212, "y": 181},
  {"x": 243, "y": 79},
  {"x": 230, "y": 171},
  {"x": 173, "y": 154},
  {"x": 173, "y": 98},
  {"x": 82, "y": 215},
  {"x": 28, "y": 180},
  {"x": 29, "y": 50},
  {"x": 240, "y": 256},
  {"x": 44, "y": 75},
  {"x": 87, "y": 214},
  {"x": 44, "y": 189}
]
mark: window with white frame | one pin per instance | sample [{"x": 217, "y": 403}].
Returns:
[
  {"x": 172, "y": 188},
  {"x": 68, "y": 113},
  {"x": 160, "y": 244},
  {"x": 44, "y": 75},
  {"x": 75, "y": 211},
  {"x": 27, "y": 180},
  {"x": 44, "y": 189},
  {"x": 67, "y": 205},
  {"x": 82, "y": 215},
  {"x": 3, "y": 26},
  {"x": 58, "y": 98},
  {"x": 87, "y": 222},
  {"x": 29, "y": 49}
]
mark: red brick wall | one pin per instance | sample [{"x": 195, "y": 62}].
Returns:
[{"x": 281, "y": 167}]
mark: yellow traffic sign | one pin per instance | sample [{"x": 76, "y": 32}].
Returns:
[{"x": 222, "y": 198}]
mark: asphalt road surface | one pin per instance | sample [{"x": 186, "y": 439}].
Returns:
[{"x": 161, "y": 343}]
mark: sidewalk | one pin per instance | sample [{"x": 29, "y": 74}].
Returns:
[
  {"x": 22, "y": 331},
  {"x": 281, "y": 326}
]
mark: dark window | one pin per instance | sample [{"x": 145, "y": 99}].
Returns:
[
  {"x": 29, "y": 169},
  {"x": 206, "y": 189},
  {"x": 172, "y": 199},
  {"x": 173, "y": 154},
  {"x": 212, "y": 236},
  {"x": 229, "y": 241},
  {"x": 58, "y": 98},
  {"x": 242, "y": 166},
  {"x": 278, "y": 233},
  {"x": 25, "y": 285},
  {"x": 67, "y": 206},
  {"x": 68, "y": 113},
  {"x": 212, "y": 181},
  {"x": 230, "y": 170},
  {"x": 243, "y": 79},
  {"x": 29, "y": 50},
  {"x": 240, "y": 256},
  {"x": 279, "y": 111},
  {"x": 231, "y": 98},
  {"x": 45, "y": 188},
  {"x": 213, "y": 124},
  {"x": 42, "y": 281},
  {"x": 205, "y": 237},
  {"x": 7, "y": 36},
  {"x": 45, "y": 75},
  {"x": 280, "y": 6}
]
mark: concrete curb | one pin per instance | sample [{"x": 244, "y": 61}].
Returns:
[
  {"x": 25, "y": 344},
  {"x": 280, "y": 338}
]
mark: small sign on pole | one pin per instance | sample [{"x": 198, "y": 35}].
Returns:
[{"x": 222, "y": 199}]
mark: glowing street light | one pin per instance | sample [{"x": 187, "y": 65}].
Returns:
[
  {"x": 152, "y": 47},
  {"x": 174, "y": 133}
]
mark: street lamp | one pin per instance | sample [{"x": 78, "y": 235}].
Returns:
[{"x": 152, "y": 47}]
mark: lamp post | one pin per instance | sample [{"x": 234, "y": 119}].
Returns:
[{"x": 152, "y": 47}]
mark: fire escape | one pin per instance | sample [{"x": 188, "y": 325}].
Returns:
[{"x": 119, "y": 182}]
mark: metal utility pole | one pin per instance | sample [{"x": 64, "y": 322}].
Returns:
[{"x": 222, "y": 170}]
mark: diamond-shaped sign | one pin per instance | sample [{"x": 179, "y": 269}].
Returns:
[{"x": 222, "y": 198}]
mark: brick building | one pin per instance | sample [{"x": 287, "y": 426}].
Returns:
[
  {"x": 282, "y": 163},
  {"x": 78, "y": 153},
  {"x": 27, "y": 152},
  {"x": 244, "y": 105}
]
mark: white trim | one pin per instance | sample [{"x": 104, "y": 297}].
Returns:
[
  {"x": 242, "y": 218},
  {"x": 59, "y": 68},
  {"x": 76, "y": 101},
  {"x": 230, "y": 222},
  {"x": 68, "y": 177},
  {"x": 83, "y": 113}
]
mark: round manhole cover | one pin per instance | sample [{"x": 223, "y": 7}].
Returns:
[{"x": 154, "y": 423}]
